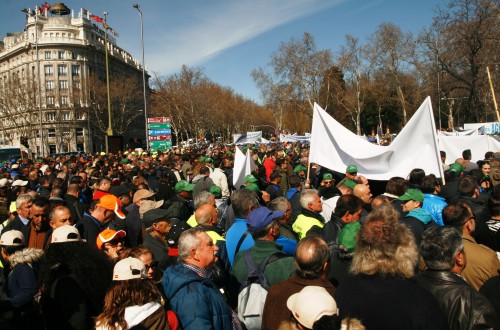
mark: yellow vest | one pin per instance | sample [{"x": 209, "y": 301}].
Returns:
[
  {"x": 303, "y": 224},
  {"x": 192, "y": 221},
  {"x": 214, "y": 236}
]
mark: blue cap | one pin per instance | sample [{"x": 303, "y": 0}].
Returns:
[{"x": 260, "y": 217}]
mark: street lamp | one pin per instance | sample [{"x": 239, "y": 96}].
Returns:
[
  {"x": 109, "y": 131},
  {"x": 136, "y": 6},
  {"x": 28, "y": 12}
]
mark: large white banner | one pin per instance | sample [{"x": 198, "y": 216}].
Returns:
[
  {"x": 335, "y": 147},
  {"x": 243, "y": 165},
  {"x": 248, "y": 137},
  {"x": 478, "y": 144},
  {"x": 295, "y": 138}
]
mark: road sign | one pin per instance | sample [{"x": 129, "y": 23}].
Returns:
[
  {"x": 158, "y": 126},
  {"x": 158, "y": 120},
  {"x": 160, "y": 132},
  {"x": 160, "y": 137}
]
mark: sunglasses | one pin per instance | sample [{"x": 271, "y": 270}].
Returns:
[{"x": 152, "y": 265}]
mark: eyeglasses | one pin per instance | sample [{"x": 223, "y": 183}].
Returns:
[
  {"x": 152, "y": 265},
  {"x": 115, "y": 242}
]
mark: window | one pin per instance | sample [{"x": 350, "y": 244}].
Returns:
[
  {"x": 80, "y": 115},
  {"x": 49, "y": 85},
  {"x": 50, "y": 116},
  {"x": 52, "y": 132},
  {"x": 49, "y": 70},
  {"x": 74, "y": 55},
  {"x": 79, "y": 131},
  {"x": 50, "y": 101},
  {"x": 47, "y": 55},
  {"x": 62, "y": 70},
  {"x": 75, "y": 70},
  {"x": 61, "y": 55},
  {"x": 63, "y": 84},
  {"x": 77, "y": 85},
  {"x": 64, "y": 100},
  {"x": 65, "y": 115}
]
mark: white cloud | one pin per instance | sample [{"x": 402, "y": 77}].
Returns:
[{"x": 223, "y": 24}]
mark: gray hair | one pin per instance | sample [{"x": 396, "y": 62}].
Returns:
[
  {"x": 202, "y": 198},
  {"x": 439, "y": 247},
  {"x": 279, "y": 204},
  {"x": 187, "y": 241},
  {"x": 23, "y": 199},
  {"x": 307, "y": 197},
  {"x": 243, "y": 200}
]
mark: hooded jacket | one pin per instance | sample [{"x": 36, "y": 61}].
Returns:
[
  {"x": 22, "y": 281},
  {"x": 418, "y": 220},
  {"x": 195, "y": 300}
]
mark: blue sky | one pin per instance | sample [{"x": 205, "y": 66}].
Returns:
[{"x": 230, "y": 38}]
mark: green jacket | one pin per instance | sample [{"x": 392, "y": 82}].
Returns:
[{"x": 275, "y": 272}]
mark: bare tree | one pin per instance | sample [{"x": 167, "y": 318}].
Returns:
[{"x": 297, "y": 75}]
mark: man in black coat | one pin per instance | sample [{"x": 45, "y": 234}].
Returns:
[{"x": 464, "y": 307}]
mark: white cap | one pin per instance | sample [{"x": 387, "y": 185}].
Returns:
[
  {"x": 4, "y": 181},
  {"x": 65, "y": 234},
  {"x": 310, "y": 304},
  {"x": 129, "y": 269},
  {"x": 12, "y": 238},
  {"x": 14, "y": 166},
  {"x": 19, "y": 183}
]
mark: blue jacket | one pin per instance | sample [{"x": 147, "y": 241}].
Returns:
[
  {"x": 435, "y": 204},
  {"x": 195, "y": 300},
  {"x": 233, "y": 236}
]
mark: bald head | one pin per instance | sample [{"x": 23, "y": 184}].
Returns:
[
  {"x": 206, "y": 215},
  {"x": 311, "y": 258},
  {"x": 363, "y": 192}
]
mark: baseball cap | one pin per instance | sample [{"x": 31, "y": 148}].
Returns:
[
  {"x": 216, "y": 191},
  {"x": 12, "y": 238},
  {"x": 327, "y": 176},
  {"x": 299, "y": 168},
  {"x": 129, "y": 269},
  {"x": 65, "y": 234},
  {"x": 352, "y": 169},
  {"x": 142, "y": 194},
  {"x": 154, "y": 216},
  {"x": 253, "y": 187},
  {"x": 111, "y": 202},
  {"x": 412, "y": 195},
  {"x": 108, "y": 235},
  {"x": 260, "y": 217},
  {"x": 350, "y": 183},
  {"x": 456, "y": 168},
  {"x": 311, "y": 304},
  {"x": 250, "y": 178},
  {"x": 119, "y": 190},
  {"x": 274, "y": 175},
  {"x": 19, "y": 183},
  {"x": 183, "y": 185},
  {"x": 14, "y": 166},
  {"x": 4, "y": 181},
  {"x": 177, "y": 227}
]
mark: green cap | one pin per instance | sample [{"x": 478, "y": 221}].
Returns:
[
  {"x": 183, "y": 185},
  {"x": 299, "y": 168},
  {"x": 352, "y": 169},
  {"x": 203, "y": 159},
  {"x": 216, "y": 191},
  {"x": 250, "y": 178},
  {"x": 412, "y": 195},
  {"x": 456, "y": 168},
  {"x": 348, "y": 234},
  {"x": 328, "y": 176},
  {"x": 253, "y": 187},
  {"x": 208, "y": 160},
  {"x": 350, "y": 183}
]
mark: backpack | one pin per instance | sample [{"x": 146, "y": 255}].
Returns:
[{"x": 253, "y": 291}]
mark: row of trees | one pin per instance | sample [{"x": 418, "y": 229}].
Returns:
[{"x": 389, "y": 75}]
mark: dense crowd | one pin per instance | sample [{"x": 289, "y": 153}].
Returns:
[{"x": 139, "y": 240}]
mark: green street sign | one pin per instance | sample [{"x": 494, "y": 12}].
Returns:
[
  {"x": 156, "y": 144},
  {"x": 158, "y": 126}
]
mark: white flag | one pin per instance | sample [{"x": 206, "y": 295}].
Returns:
[
  {"x": 334, "y": 146},
  {"x": 243, "y": 165}
]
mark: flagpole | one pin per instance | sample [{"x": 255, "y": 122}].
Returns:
[{"x": 493, "y": 93}]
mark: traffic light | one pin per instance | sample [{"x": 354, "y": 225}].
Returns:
[{"x": 24, "y": 141}]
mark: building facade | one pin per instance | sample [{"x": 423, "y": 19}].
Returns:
[{"x": 53, "y": 85}]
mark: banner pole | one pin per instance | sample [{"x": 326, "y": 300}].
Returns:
[{"x": 493, "y": 93}]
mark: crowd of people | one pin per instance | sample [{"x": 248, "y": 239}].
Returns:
[{"x": 139, "y": 240}]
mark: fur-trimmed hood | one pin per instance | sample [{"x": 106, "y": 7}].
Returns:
[{"x": 25, "y": 256}]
